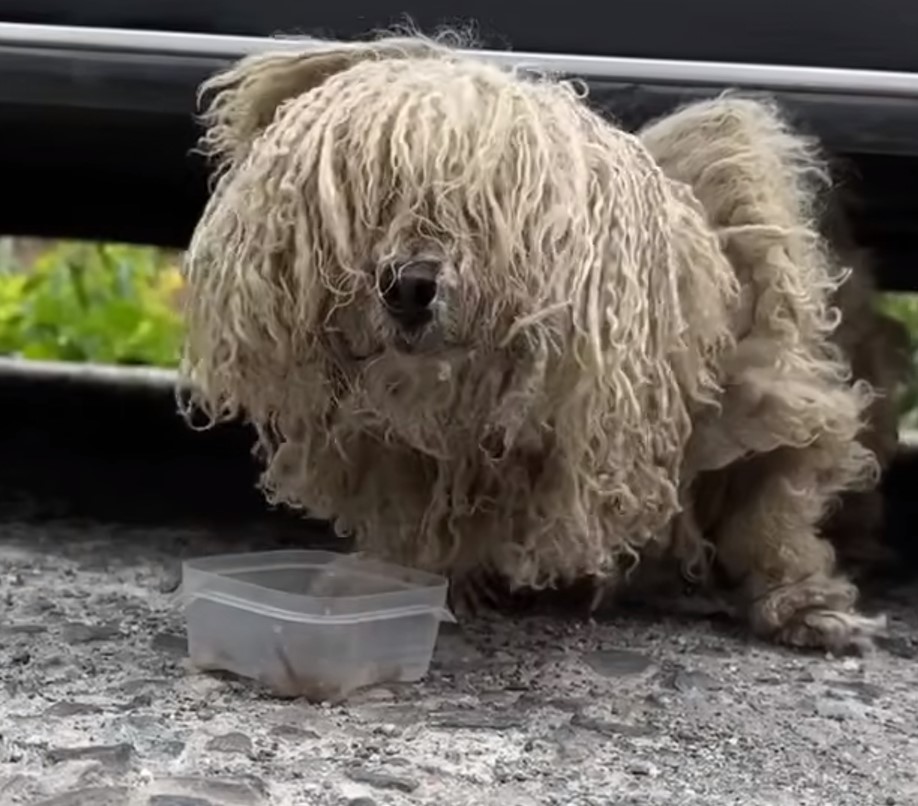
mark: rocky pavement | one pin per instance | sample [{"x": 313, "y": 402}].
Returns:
[{"x": 99, "y": 708}]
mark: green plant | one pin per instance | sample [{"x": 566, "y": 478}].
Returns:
[
  {"x": 103, "y": 303},
  {"x": 904, "y": 307}
]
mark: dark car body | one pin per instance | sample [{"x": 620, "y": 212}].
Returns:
[{"x": 879, "y": 35}]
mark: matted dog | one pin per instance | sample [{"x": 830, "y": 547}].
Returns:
[{"x": 487, "y": 332}]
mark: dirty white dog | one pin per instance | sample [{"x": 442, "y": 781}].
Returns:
[{"x": 483, "y": 330}]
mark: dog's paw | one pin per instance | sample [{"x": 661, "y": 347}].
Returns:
[
  {"x": 833, "y": 630},
  {"x": 476, "y": 595},
  {"x": 816, "y": 613}
]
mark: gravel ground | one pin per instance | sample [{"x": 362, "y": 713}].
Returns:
[{"x": 99, "y": 707}]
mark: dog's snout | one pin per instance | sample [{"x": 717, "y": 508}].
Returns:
[{"x": 408, "y": 291}]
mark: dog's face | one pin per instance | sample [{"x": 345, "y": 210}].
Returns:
[
  {"x": 424, "y": 248},
  {"x": 422, "y": 345}
]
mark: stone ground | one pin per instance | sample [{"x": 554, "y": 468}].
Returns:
[{"x": 99, "y": 708}]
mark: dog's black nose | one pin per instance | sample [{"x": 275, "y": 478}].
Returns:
[{"x": 408, "y": 291}]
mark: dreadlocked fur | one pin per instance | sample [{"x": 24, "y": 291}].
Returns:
[{"x": 630, "y": 350}]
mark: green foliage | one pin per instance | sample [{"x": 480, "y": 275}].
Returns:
[
  {"x": 904, "y": 307},
  {"x": 103, "y": 303}
]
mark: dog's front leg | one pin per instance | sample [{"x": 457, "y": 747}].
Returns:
[{"x": 768, "y": 542}]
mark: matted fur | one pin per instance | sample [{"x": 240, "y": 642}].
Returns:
[{"x": 632, "y": 348}]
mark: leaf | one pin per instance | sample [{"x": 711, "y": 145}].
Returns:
[{"x": 109, "y": 303}]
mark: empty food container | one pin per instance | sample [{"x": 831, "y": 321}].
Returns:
[{"x": 314, "y": 624}]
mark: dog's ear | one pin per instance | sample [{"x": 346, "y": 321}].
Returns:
[{"x": 242, "y": 101}]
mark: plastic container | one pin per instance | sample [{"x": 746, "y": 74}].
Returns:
[{"x": 312, "y": 624}]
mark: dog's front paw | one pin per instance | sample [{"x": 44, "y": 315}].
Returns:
[
  {"x": 476, "y": 594},
  {"x": 836, "y": 631},
  {"x": 816, "y": 613}
]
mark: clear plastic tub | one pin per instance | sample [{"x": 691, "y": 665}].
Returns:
[{"x": 312, "y": 624}]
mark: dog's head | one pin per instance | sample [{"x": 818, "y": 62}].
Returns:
[{"x": 409, "y": 240}]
